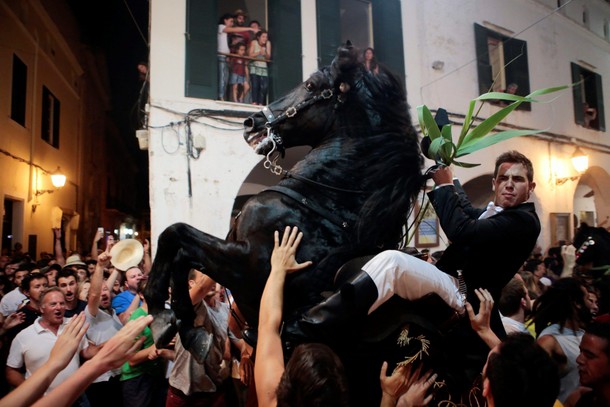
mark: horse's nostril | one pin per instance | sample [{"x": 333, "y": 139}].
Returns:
[{"x": 249, "y": 123}]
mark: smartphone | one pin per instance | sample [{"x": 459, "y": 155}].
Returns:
[{"x": 100, "y": 230}]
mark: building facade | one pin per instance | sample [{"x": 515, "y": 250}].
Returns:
[
  {"x": 54, "y": 104},
  {"x": 201, "y": 170}
]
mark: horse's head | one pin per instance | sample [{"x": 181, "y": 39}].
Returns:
[
  {"x": 308, "y": 113},
  {"x": 592, "y": 247}
]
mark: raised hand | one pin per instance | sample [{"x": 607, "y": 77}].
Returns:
[{"x": 283, "y": 256}]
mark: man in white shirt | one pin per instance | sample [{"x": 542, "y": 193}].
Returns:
[
  {"x": 515, "y": 304},
  {"x": 31, "y": 347}
]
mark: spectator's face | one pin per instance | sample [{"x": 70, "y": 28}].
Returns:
[
  {"x": 53, "y": 308},
  {"x": 91, "y": 268},
  {"x": 81, "y": 274},
  {"x": 51, "y": 276},
  {"x": 511, "y": 186},
  {"x": 132, "y": 278},
  {"x": 540, "y": 270},
  {"x": 37, "y": 286},
  {"x": 229, "y": 22},
  {"x": 593, "y": 362},
  {"x": 4, "y": 261},
  {"x": 19, "y": 277},
  {"x": 105, "y": 300},
  {"x": 84, "y": 291},
  {"x": 10, "y": 269},
  {"x": 69, "y": 287},
  {"x": 592, "y": 303},
  {"x": 241, "y": 20},
  {"x": 263, "y": 38}
]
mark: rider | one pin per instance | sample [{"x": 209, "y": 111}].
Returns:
[{"x": 488, "y": 247}]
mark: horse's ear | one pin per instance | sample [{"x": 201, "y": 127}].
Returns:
[{"x": 346, "y": 62}]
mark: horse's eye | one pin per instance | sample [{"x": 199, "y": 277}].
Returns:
[{"x": 309, "y": 86}]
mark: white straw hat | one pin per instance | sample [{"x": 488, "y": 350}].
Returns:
[{"x": 126, "y": 254}]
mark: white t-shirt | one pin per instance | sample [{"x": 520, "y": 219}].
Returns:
[
  {"x": 32, "y": 346},
  {"x": 102, "y": 327},
  {"x": 223, "y": 40},
  {"x": 11, "y": 302}
]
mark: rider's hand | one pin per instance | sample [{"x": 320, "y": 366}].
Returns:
[
  {"x": 443, "y": 175},
  {"x": 283, "y": 256}
]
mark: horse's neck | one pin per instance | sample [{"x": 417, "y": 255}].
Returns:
[{"x": 332, "y": 163}]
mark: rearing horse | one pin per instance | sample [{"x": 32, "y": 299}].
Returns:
[{"x": 350, "y": 195}]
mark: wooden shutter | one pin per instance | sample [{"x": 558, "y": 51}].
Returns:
[
  {"x": 517, "y": 68},
  {"x": 329, "y": 30},
  {"x": 201, "y": 66},
  {"x": 286, "y": 70},
  {"x": 579, "y": 113},
  {"x": 600, "y": 103},
  {"x": 483, "y": 66},
  {"x": 387, "y": 35}
]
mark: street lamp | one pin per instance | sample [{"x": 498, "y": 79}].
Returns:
[
  {"x": 57, "y": 179},
  {"x": 580, "y": 162}
]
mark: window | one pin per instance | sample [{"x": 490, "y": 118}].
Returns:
[
  {"x": 501, "y": 62},
  {"x": 283, "y": 20},
  {"x": 588, "y": 98},
  {"x": 366, "y": 23},
  {"x": 19, "y": 90},
  {"x": 50, "y": 118}
]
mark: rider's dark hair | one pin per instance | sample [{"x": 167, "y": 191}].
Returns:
[
  {"x": 522, "y": 373},
  {"x": 314, "y": 376},
  {"x": 515, "y": 157}
]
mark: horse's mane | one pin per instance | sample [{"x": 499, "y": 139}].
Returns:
[{"x": 389, "y": 160}]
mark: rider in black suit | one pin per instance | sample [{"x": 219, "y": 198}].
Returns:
[{"x": 488, "y": 246}]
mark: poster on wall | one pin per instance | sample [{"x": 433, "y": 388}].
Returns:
[
  {"x": 427, "y": 231},
  {"x": 560, "y": 227}
]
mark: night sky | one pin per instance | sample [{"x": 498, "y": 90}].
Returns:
[{"x": 116, "y": 29}]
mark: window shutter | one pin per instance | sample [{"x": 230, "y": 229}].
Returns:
[
  {"x": 329, "y": 30},
  {"x": 201, "y": 64},
  {"x": 579, "y": 114},
  {"x": 286, "y": 70},
  {"x": 483, "y": 66},
  {"x": 600, "y": 103},
  {"x": 387, "y": 35},
  {"x": 517, "y": 69}
]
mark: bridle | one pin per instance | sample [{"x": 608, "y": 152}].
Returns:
[{"x": 277, "y": 144}]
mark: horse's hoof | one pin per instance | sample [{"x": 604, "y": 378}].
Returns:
[
  {"x": 198, "y": 342},
  {"x": 164, "y": 328}
]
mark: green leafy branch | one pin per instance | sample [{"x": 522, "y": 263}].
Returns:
[{"x": 439, "y": 142}]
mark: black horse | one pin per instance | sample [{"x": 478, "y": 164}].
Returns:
[{"x": 351, "y": 196}]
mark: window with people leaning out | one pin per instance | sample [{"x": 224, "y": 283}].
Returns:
[
  {"x": 501, "y": 64},
  {"x": 588, "y": 98},
  {"x": 251, "y": 52}
]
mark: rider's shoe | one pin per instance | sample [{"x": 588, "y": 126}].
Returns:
[{"x": 338, "y": 316}]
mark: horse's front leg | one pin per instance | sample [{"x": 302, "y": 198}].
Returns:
[{"x": 181, "y": 248}]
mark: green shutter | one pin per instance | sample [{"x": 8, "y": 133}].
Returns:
[
  {"x": 286, "y": 70},
  {"x": 600, "y": 102},
  {"x": 483, "y": 66},
  {"x": 329, "y": 30},
  {"x": 201, "y": 65},
  {"x": 579, "y": 113},
  {"x": 387, "y": 35},
  {"x": 517, "y": 69}
]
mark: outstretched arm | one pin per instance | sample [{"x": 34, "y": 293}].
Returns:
[
  {"x": 480, "y": 322},
  {"x": 64, "y": 349},
  {"x": 269, "y": 365},
  {"x": 115, "y": 352}
]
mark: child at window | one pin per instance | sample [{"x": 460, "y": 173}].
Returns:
[{"x": 239, "y": 74}]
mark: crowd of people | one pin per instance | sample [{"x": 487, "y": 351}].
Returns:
[
  {"x": 74, "y": 331},
  {"x": 244, "y": 51}
]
